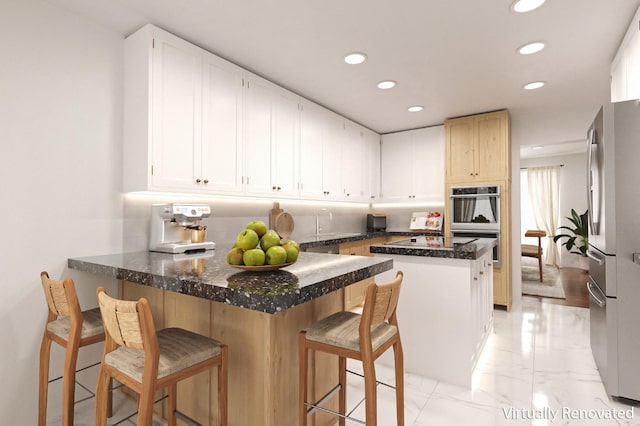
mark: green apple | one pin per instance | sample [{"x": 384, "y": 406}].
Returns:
[
  {"x": 234, "y": 257},
  {"x": 259, "y": 226},
  {"x": 253, "y": 257},
  {"x": 247, "y": 239},
  {"x": 269, "y": 239},
  {"x": 276, "y": 255},
  {"x": 291, "y": 242},
  {"x": 292, "y": 252}
]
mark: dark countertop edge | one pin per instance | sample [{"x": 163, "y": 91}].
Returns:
[
  {"x": 360, "y": 237},
  {"x": 256, "y": 302},
  {"x": 457, "y": 253}
]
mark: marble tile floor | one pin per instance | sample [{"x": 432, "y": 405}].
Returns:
[{"x": 537, "y": 369}]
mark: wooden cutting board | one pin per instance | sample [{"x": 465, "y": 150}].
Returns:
[
  {"x": 275, "y": 212},
  {"x": 284, "y": 225}
]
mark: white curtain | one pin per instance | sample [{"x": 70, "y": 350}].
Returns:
[{"x": 544, "y": 188}]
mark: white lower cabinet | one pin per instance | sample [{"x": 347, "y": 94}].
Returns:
[{"x": 445, "y": 314}]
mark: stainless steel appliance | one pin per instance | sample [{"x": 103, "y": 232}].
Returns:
[
  {"x": 475, "y": 208},
  {"x": 175, "y": 227},
  {"x": 475, "y": 213},
  {"x": 376, "y": 222},
  {"x": 614, "y": 243}
]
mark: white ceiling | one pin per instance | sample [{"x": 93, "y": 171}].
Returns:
[{"x": 454, "y": 57}]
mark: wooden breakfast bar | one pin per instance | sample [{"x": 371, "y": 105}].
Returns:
[{"x": 257, "y": 314}]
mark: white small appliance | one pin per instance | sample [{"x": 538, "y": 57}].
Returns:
[{"x": 172, "y": 226}]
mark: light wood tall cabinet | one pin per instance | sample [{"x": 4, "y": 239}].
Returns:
[
  {"x": 478, "y": 153},
  {"x": 477, "y": 147}
]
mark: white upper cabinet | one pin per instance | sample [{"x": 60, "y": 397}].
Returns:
[
  {"x": 222, "y": 140},
  {"x": 412, "y": 165},
  {"x": 625, "y": 68},
  {"x": 272, "y": 126},
  {"x": 196, "y": 123},
  {"x": 313, "y": 134}
]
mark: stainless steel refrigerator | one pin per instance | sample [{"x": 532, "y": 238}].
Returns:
[{"x": 614, "y": 246}]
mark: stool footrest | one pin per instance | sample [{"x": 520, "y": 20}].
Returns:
[
  {"x": 186, "y": 419},
  {"x": 378, "y": 382},
  {"x": 326, "y": 410}
]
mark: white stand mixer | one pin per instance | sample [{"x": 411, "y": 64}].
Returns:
[{"x": 171, "y": 226}]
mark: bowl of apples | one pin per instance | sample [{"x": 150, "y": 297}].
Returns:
[{"x": 260, "y": 249}]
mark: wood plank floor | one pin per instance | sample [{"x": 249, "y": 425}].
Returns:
[{"x": 574, "y": 282}]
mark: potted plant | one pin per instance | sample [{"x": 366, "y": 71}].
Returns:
[{"x": 578, "y": 241}]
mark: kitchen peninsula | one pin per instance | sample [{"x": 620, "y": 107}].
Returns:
[
  {"x": 445, "y": 310},
  {"x": 258, "y": 314}
]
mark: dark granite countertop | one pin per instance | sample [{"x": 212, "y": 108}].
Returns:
[
  {"x": 207, "y": 275},
  {"x": 310, "y": 241},
  {"x": 430, "y": 246}
]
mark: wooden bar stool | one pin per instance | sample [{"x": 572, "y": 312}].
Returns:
[
  {"x": 145, "y": 360},
  {"x": 529, "y": 250},
  {"x": 71, "y": 328},
  {"x": 362, "y": 337}
]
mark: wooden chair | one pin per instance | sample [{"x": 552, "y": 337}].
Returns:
[
  {"x": 145, "y": 360},
  {"x": 362, "y": 337},
  {"x": 71, "y": 328},
  {"x": 530, "y": 250}
]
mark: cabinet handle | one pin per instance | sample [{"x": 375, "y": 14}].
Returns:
[
  {"x": 198, "y": 180},
  {"x": 481, "y": 272},
  {"x": 475, "y": 278},
  {"x": 206, "y": 181},
  {"x": 273, "y": 188},
  {"x": 279, "y": 188}
]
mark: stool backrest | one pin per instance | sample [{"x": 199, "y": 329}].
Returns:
[
  {"x": 380, "y": 303},
  {"x": 61, "y": 297},
  {"x": 128, "y": 323}
]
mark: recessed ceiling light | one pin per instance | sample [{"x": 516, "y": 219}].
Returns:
[
  {"x": 355, "y": 58},
  {"x": 537, "y": 147},
  {"x": 534, "y": 85},
  {"x": 530, "y": 48},
  {"x": 522, "y": 6},
  {"x": 415, "y": 108},
  {"x": 386, "y": 84}
]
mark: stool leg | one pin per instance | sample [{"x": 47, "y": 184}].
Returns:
[
  {"x": 342, "y": 394},
  {"x": 540, "y": 266},
  {"x": 69, "y": 378},
  {"x": 172, "y": 405},
  {"x": 43, "y": 387},
  {"x": 102, "y": 396},
  {"x": 222, "y": 387},
  {"x": 370, "y": 395},
  {"x": 399, "y": 370},
  {"x": 302, "y": 378},
  {"x": 145, "y": 405}
]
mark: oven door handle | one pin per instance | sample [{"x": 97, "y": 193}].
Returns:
[
  {"x": 590, "y": 285},
  {"x": 592, "y": 256}
]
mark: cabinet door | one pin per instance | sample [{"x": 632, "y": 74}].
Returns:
[
  {"x": 428, "y": 163},
  {"x": 313, "y": 133},
  {"x": 396, "y": 164},
  {"x": 332, "y": 158},
  {"x": 284, "y": 164},
  {"x": 221, "y": 126},
  {"x": 258, "y": 109},
  {"x": 459, "y": 148},
  {"x": 371, "y": 169},
  {"x": 491, "y": 150},
  {"x": 351, "y": 161},
  {"x": 176, "y": 113}
]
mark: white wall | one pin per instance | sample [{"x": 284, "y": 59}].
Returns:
[
  {"x": 573, "y": 193},
  {"x": 60, "y": 177}
]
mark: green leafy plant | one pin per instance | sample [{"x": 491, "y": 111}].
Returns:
[{"x": 578, "y": 241}]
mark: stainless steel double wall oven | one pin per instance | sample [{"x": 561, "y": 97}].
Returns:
[{"x": 475, "y": 212}]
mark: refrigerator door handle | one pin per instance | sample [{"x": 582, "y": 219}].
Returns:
[
  {"x": 590, "y": 285},
  {"x": 592, "y": 256}
]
